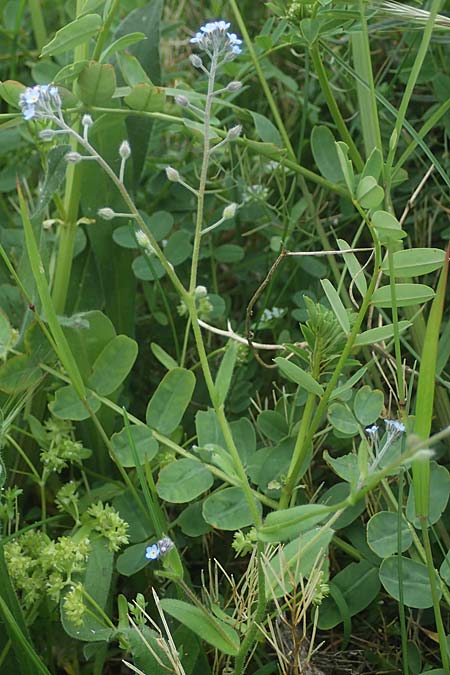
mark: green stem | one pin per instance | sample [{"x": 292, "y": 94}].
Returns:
[
  {"x": 219, "y": 410},
  {"x": 301, "y": 447},
  {"x": 397, "y": 348},
  {"x": 320, "y": 409},
  {"x": 401, "y": 606},
  {"x": 333, "y": 107},
  {"x": 435, "y": 597}
]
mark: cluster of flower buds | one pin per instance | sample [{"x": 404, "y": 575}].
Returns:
[
  {"x": 40, "y": 101},
  {"x": 159, "y": 549},
  {"x": 213, "y": 37}
]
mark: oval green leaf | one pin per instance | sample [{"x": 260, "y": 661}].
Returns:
[
  {"x": 342, "y": 419},
  {"x": 183, "y": 480},
  {"x": 406, "y": 295},
  {"x": 380, "y": 334},
  {"x": 415, "y": 581},
  {"x": 359, "y": 585},
  {"x": 325, "y": 154},
  {"x": 382, "y": 534},
  {"x": 96, "y": 83},
  {"x": 228, "y": 509},
  {"x": 170, "y": 400},
  {"x": 414, "y": 262},
  {"x": 113, "y": 364},
  {"x": 368, "y": 405},
  {"x": 146, "y": 446}
]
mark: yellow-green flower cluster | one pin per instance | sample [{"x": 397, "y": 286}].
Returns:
[
  {"x": 37, "y": 565},
  {"x": 74, "y": 606},
  {"x": 109, "y": 524}
]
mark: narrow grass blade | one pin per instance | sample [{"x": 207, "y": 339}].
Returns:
[
  {"x": 63, "y": 350},
  {"x": 425, "y": 392}
]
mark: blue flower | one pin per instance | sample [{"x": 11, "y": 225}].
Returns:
[
  {"x": 394, "y": 427},
  {"x": 152, "y": 552},
  {"x": 40, "y": 101},
  {"x": 372, "y": 431},
  {"x": 213, "y": 37},
  {"x": 161, "y": 547}
]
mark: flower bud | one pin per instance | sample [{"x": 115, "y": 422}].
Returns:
[
  {"x": 142, "y": 238},
  {"x": 234, "y": 132},
  {"x": 106, "y": 213},
  {"x": 47, "y": 134},
  {"x": 182, "y": 100},
  {"x": 124, "y": 150},
  {"x": 235, "y": 85},
  {"x": 87, "y": 121},
  {"x": 172, "y": 174},
  {"x": 195, "y": 61},
  {"x": 73, "y": 157},
  {"x": 229, "y": 211},
  {"x": 201, "y": 292}
]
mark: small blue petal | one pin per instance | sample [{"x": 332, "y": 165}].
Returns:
[{"x": 152, "y": 552}]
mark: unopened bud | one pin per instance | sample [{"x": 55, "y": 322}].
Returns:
[
  {"x": 47, "y": 134},
  {"x": 142, "y": 238},
  {"x": 235, "y": 85},
  {"x": 182, "y": 100},
  {"x": 201, "y": 292},
  {"x": 229, "y": 211},
  {"x": 124, "y": 150},
  {"x": 106, "y": 213},
  {"x": 87, "y": 121},
  {"x": 195, "y": 61},
  {"x": 73, "y": 157},
  {"x": 234, "y": 132},
  {"x": 172, "y": 174}
]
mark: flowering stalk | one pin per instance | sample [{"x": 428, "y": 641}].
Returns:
[{"x": 43, "y": 102}]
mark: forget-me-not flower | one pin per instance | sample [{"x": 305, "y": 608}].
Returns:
[
  {"x": 161, "y": 547},
  {"x": 214, "y": 37},
  {"x": 152, "y": 552},
  {"x": 40, "y": 101}
]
